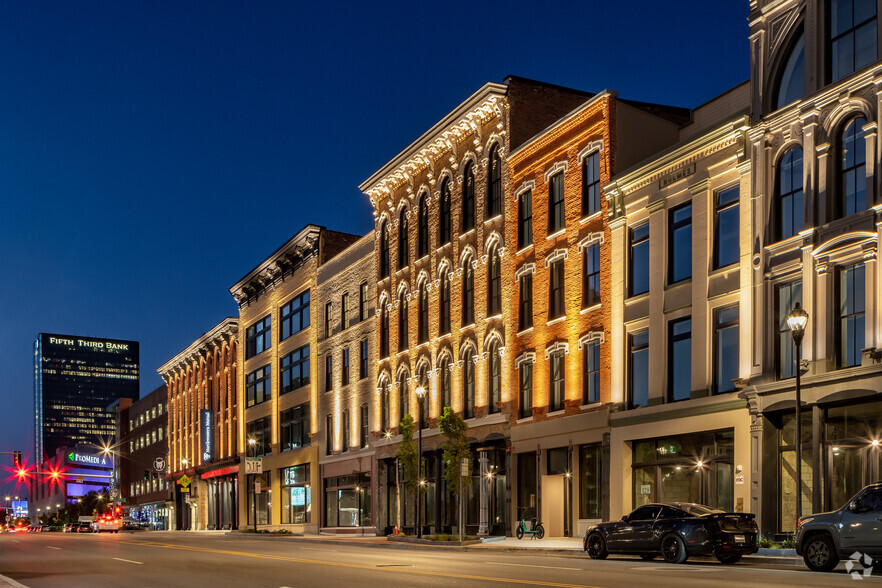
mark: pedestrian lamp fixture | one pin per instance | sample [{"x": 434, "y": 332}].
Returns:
[
  {"x": 252, "y": 444},
  {"x": 796, "y": 322},
  {"x": 421, "y": 396}
]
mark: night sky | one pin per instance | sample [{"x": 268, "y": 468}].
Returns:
[{"x": 152, "y": 153}]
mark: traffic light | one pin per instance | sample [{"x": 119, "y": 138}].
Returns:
[{"x": 16, "y": 460}]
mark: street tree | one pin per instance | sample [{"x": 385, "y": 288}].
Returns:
[
  {"x": 408, "y": 457},
  {"x": 456, "y": 451}
]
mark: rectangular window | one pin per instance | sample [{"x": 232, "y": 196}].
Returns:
[
  {"x": 295, "y": 484},
  {"x": 680, "y": 244},
  {"x": 725, "y": 348},
  {"x": 329, "y": 434},
  {"x": 591, "y": 372},
  {"x": 294, "y": 369},
  {"x": 786, "y": 297},
  {"x": 444, "y": 303},
  {"x": 328, "y": 308},
  {"x": 851, "y": 314},
  {"x": 344, "y": 311},
  {"x": 525, "y": 304},
  {"x": 556, "y": 218},
  {"x": 591, "y": 275},
  {"x": 525, "y": 371},
  {"x": 556, "y": 295},
  {"x": 294, "y": 427},
  {"x": 852, "y": 36},
  {"x": 525, "y": 219},
  {"x": 365, "y": 424},
  {"x": 363, "y": 301},
  {"x": 258, "y": 386},
  {"x": 363, "y": 360},
  {"x": 261, "y": 431},
  {"x": 726, "y": 227},
  {"x": 639, "y": 260},
  {"x": 345, "y": 367},
  {"x": 638, "y": 385},
  {"x": 591, "y": 184},
  {"x": 329, "y": 372},
  {"x": 679, "y": 359},
  {"x": 591, "y": 481},
  {"x": 258, "y": 337},
  {"x": 294, "y": 316},
  {"x": 557, "y": 391}
]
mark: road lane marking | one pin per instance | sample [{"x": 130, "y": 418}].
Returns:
[
  {"x": 356, "y": 566},
  {"x": 12, "y": 582},
  {"x": 140, "y": 563},
  {"x": 501, "y": 563},
  {"x": 50, "y": 547}
]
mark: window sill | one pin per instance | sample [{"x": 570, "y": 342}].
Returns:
[
  {"x": 493, "y": 318},
  {"x": 559, "y": 319},
  {"x": 528, "y": 419},
  {"x": 591, "y": 405},
  {"x": 556, "y": 235},
  {"x": 636, "y": 297},
  {"x": 402, "y": 352},
  {"x": 423, "y": 344},
  {"x": 443, "y": 247},
  {"x": 467, "y": 233},
  {"x": 444, "y": 336},
  {"x": 525, "y": 332},
  {"x": 467, "y": 327},
  {"x": 590, "y": 217},
  {"x": 422, "y": 259},
  {"x": 494, "y": 218},
  {"x": 524, "y": 249},
  {"x": 590, "y": 308},
  {"x": 556, "y": 413}
]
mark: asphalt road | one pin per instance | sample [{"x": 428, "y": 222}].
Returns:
[{"x": 167, "y": 559}]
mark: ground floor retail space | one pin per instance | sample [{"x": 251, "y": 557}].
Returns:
[
  {"x": 284, "y": 495},
  {"x": 348, "y": 496},
  {"x": 153, "y": 516}
]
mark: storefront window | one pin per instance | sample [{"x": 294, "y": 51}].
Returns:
[
  {"x": 527, "y": 485},
  {"x": 296, "y": 502},
  {"x": 348, "y": 501},
  {"x": 590, "y": 481},
  {"x": 854, "y": 461},
  {"x": 787, "y": 469},
  {"x": 264, "y": 499},
  {"x": 689, "y": 468}
]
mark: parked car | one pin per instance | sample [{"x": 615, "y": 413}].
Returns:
[
  {"x": 68, "y": 527},
  {"x": 675, "y": 530},
  {"x": 823, "y": 539},
  {"x": 84, "y": 527}
]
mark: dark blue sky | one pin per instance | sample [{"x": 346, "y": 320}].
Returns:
[{"x": 151, "y": 153}]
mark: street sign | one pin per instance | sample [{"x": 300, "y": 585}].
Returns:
[
  {"x": 159, "y": 464},
  {"x": 464, "y": 467},
  {"x": 257, "y": 486},
  {"x": 253, "y": 465},
  {"x": 185, "y": 481}
]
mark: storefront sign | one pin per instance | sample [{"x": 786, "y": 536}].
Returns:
[
  {"x": 206, "y": 424},
  {"x": 253, "y": 465},
  {"x": 159, "y": 464},
  {"x": 298, "y": 496},
  {"x": 220, "y": 472},
  {"x": 83, "y": 458},
  {"x": 678, "y": 175}
]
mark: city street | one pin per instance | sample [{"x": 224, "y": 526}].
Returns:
[{"x": 196, "y": 559}]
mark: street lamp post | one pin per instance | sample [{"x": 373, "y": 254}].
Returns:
[
  {"x": 421, "y": 396},
  {"x": 252, "y": 444},
  {"x": 796, "y": 322}
]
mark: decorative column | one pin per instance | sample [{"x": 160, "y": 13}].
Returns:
[{"x": 483, "y": 520}]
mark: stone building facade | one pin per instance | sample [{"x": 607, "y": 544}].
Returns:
[
  {"x": 203, "y": 430},
  {"x": 558, "y": 352},
  {"x": 279, "y": 379},
  {"x": 347, "y": 359},
  {"x": 441, "y": 255}
]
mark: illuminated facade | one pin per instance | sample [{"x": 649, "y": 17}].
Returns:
[
  {"x": 278, "y": 381},
  {"x": 442, "y": 317},
  {"x": 203, "y": 430},
  {"x": 679, "y": 293},
  {"x": 75, "y": 380},
  {"x": 558, "y": 351},
  {"x": 816, "y": 213},
  {"x": 347, "y": 361}
]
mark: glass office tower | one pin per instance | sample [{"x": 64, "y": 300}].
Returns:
[{"x": 76, "y": 379}]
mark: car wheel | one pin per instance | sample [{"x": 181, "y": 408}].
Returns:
[
  {"x": 540, "y": 532},
  {"x": 520, "y": 532},
  {"x": 595, "y": 545},
  {"x": 729, "y": 558},
  {"x": 647, "y": 556},
  {"x": 673, "y": 549},
  {"x": 820, "y": 554}
]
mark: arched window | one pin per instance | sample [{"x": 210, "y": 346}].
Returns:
[
  {"x": 494, "y": 377},
  {"x": 791, "y": 85},
  {"x": 444, "y": 214},
  {"x": 423, "y": 228},
  {"x": 403, "y": 395},
  {"x": 384, "y": 249},
  {"x": 494, "y": 282},
  {"x": 402, "y": 321},
  {"x": 444, "y": 304},
  {"x": 384, "y": 405},
  {"x": 403, "y": 249},
  {"x": 494, "y": 183},
  {"x": 468, "y": 197},
  {"x": 468, "y": 383},
  {"x": 852, "y": 168},
  {"x": 444, "y": 381},
  {"x": 384, "y": 332},
  {"x": 423, "y": 317},
  {"x": 468, "y": 293},
  {"x": 788, "y": 199}
]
